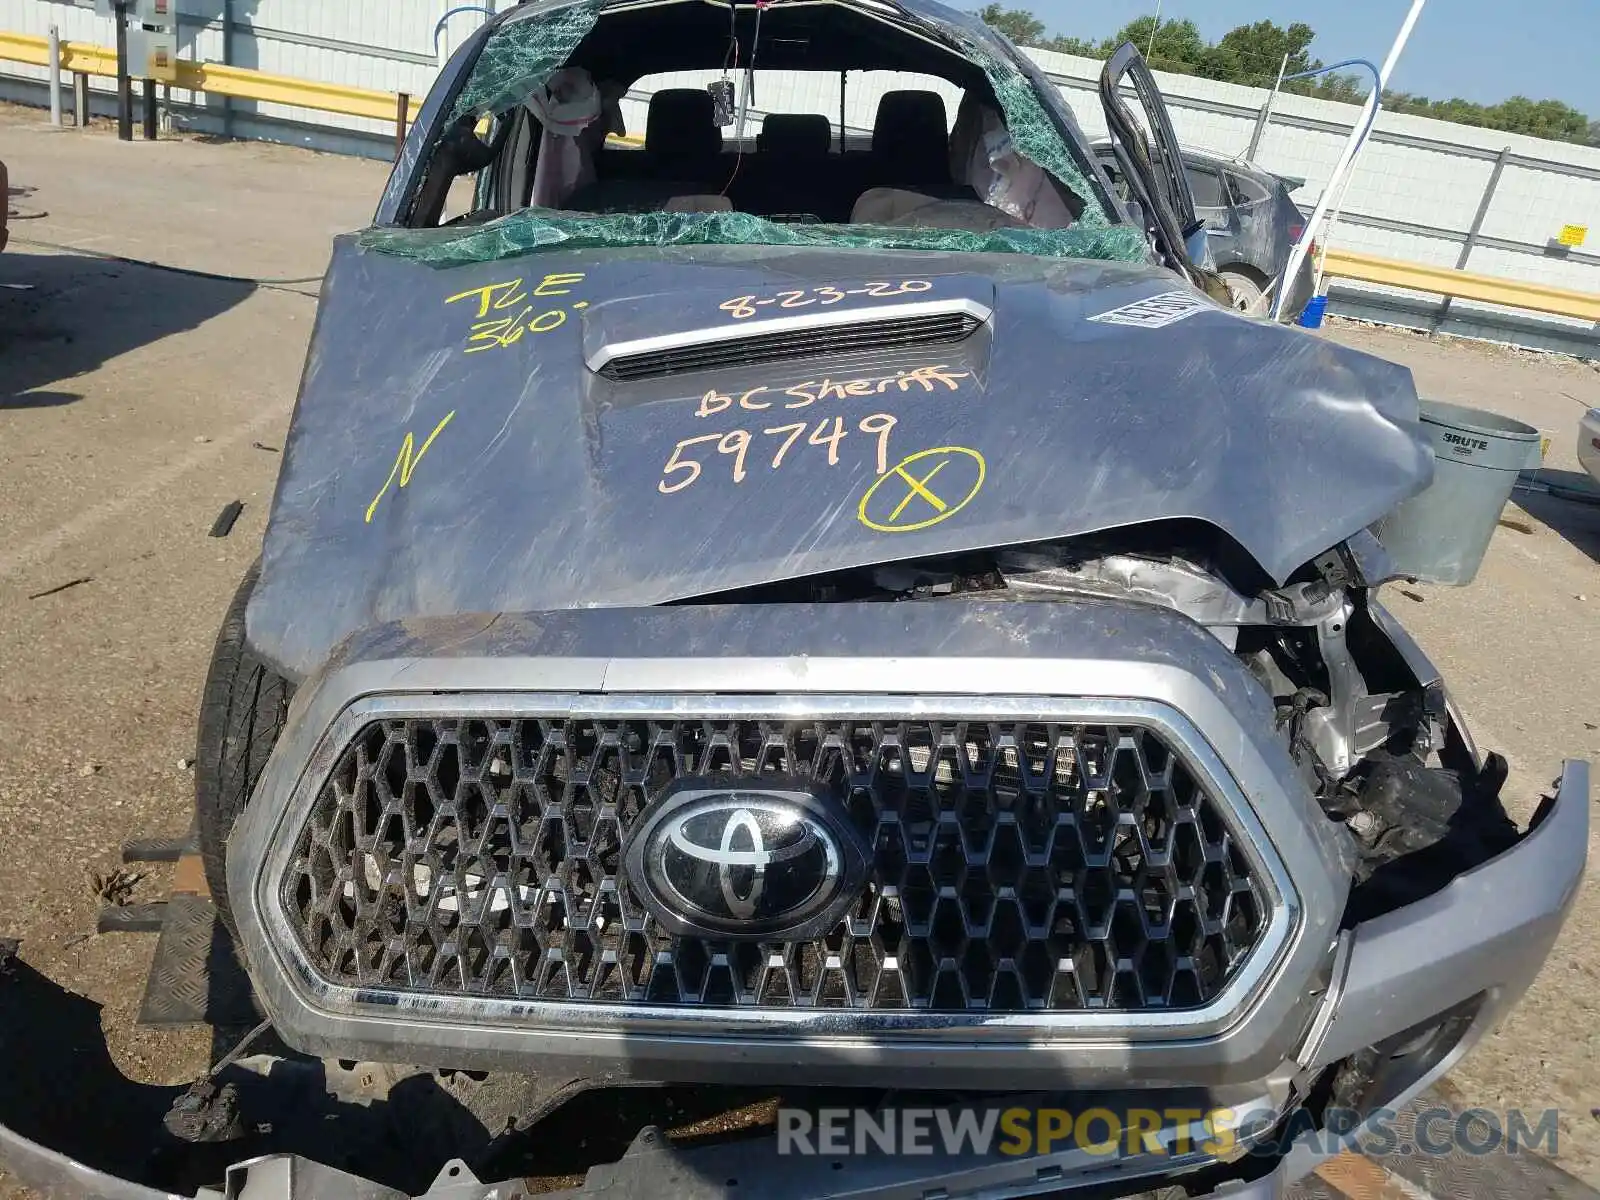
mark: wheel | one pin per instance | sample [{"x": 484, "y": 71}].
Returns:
[
  {"x": 242, "y": 712},
  {"x": 1246, "y": 292}
]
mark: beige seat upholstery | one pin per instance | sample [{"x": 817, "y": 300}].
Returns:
[
  {"x": 899, "y": 206},
  {"x": 703, "y": 202}
]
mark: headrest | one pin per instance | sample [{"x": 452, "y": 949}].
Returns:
[
  {"x": 682, "y": 124},
  {"x": 801, "y": 135},
  {"x": 910, "y": 137}
]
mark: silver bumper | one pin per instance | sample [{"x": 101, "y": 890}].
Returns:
[
  {"x": 649, "y": 1171},
  {"x": 1486, "y": 934}
]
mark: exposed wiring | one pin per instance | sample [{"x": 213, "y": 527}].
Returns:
[
  {"x": 733, "y": 39},
  {"x": 738, "y": 143},
  {"x": 276, "y": 284},
  {"x": 746, "y": 94}
]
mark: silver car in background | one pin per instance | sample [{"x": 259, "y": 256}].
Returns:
[{"x": 1252, "y": 224}]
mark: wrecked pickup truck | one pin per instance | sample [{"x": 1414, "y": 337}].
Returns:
[{"x": 760, "y": 605}]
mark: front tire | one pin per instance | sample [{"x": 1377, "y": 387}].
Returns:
[{"x": 242, "y": 712}]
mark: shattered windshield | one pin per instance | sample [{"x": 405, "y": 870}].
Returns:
[{"x": 846, "y": 124}]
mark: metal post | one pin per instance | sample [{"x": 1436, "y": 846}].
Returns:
[
  {"x": 402, "y": 115},
  {"x": 124, "y": 83},
  {"x": 227, "y": 60},
  {"x": 842, "y": 77},
  {"x": 55, "y": 76},
  {"x": 149, "y": 110},
  {"x": 1265, "y": 117},
  {"x": 1346, "y": 165},
  {"x": 1477, "y": 228},
  {"x": 80, "y": 98}
]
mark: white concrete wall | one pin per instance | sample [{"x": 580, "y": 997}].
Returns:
[{"x": 1414, "y": 195}]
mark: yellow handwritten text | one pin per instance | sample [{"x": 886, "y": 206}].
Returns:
[
  {"x": 490, "y": 332},
  {"x": 742, "y": 307},
  {"x": 923, "y": 489},
  {"x": 803, "y": 395},
  {"x": 407, "y": 461},
  {"x": 682, "y": 469}
]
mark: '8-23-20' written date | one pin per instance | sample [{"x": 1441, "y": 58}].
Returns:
[{"x": 743, "y": 307}]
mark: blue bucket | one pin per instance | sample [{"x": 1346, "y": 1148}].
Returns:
[{"x": 1311, "y": 317}]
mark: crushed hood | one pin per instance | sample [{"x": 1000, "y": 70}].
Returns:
[{"x": 501, "y": 436}]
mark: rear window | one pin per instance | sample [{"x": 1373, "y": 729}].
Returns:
[
  {"x": 852, "y": 96},
  {"x": 1206, "y": 185},
  {"x": 1247, "y": 190}
]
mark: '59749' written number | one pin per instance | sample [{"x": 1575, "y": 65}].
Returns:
[{"x": 682, "y": 469}]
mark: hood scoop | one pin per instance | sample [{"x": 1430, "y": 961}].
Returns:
[{"x": 654, "y": 337}]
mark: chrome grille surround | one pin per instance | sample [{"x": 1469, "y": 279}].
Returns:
[{"x": 286, "y": 872}]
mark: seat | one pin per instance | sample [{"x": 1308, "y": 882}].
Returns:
[
  {"x": 795, "y": 136},
  {"x": 910, "y": 140},
  {"x": 680, "y": 160},
  {"x": 792, "y": 170},
  {"x": 681, "y": 137},
  {"x": 916, "y": 209},
  {"x": 702, "y": 203}
]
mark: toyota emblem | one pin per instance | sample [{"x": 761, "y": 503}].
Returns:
[{"x": 739, "y": 862}]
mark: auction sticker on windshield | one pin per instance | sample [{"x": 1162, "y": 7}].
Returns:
[{"x": 1157, "y": 312}]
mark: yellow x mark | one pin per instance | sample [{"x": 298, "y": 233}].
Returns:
[{"x": 918, "y": 487}]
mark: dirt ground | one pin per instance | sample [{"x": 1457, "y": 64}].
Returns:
[{"x": 135, "y": 404}]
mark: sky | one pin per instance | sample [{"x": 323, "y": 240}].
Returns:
[{"x": 1467, "y": 48}]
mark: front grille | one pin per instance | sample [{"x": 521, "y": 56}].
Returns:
[
  {"x": 1017, "y": 866},
  {"x": 891, "y": 333}
]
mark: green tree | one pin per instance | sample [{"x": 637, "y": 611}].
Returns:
[
  {"x": 1251, "y": 54},
  {"x": 1176, "y": 46},
  {"x": 1256, "y": 52},
  {"x": 1072, "y": 45},
  {"x": 1021, "y": 26}
]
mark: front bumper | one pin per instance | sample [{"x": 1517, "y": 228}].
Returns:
[
  {"x": 1485, "y": 935},
  {"x": 1482, "y": 939},
  {"x": 652, "y": 1169}
]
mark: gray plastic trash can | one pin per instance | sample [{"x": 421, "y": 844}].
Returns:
[{"x": 1441, "y": 534}]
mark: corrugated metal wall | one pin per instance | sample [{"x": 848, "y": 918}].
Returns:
[
  {"x": 1414, "y": 197},
  {"x": 386, "y": 45}
]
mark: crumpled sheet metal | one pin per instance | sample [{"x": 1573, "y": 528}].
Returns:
[{"x": 536, "y": 229}]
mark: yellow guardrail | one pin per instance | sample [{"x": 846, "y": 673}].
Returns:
[
  {"x": 1446, "y": 281},
  {"x": 237, "y": 82},
  {"x": 243, "y": 84},
  {"x": 75, "y": 56}
]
